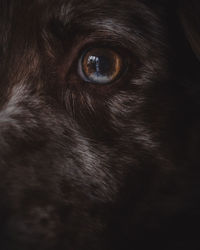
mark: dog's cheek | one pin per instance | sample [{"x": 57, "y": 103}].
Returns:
[{"x": 54, "y": 168}]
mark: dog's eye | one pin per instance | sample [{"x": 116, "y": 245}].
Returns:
[{"x": 100, "y": 66}]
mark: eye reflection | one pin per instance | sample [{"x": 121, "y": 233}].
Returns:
[{"x": 100, "y": 65}]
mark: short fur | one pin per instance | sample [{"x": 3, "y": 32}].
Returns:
[{"x": 87, "y": 167}]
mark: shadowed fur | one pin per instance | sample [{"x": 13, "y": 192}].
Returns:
[{"x": 99, "y": 167}]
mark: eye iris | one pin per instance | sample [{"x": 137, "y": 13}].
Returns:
[{"x": 101, "y": 65}]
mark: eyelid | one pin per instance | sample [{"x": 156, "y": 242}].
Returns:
[{"x": 76, "y": 49}]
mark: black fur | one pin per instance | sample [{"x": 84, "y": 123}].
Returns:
[{"x": 87, "y": 167}]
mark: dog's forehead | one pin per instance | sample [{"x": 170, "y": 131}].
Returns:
[
  {"x": 77, "y": 11},
  {"x": 77, "y": 7},
  {"x": 122, "y": 20},
  {"x": 117, "y": 15}
]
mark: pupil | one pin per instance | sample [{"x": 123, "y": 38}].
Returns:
[{"x": 100, "y": 65}]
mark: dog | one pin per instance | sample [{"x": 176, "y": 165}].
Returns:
[{"x": 99, "y": 124}]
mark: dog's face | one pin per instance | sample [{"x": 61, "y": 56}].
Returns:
[{"x": 98, "y": 125}]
